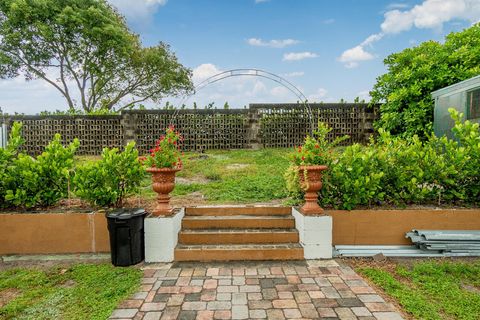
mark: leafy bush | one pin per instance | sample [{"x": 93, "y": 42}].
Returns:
[
  {"x": 108, "y": 181},
  {"x": 407, "y": 171},
  {"x": 29, "y": 182},
  {"x": 405, "y": 90},
  {"x": 7, "y": 155},
  {"x": 316, "y": 150}
]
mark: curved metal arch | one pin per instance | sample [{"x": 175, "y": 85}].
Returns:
[
  {"x": 258, "y": 73},
  {"x": 255, "y": 73}
]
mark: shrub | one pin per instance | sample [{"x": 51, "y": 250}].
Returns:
[
  {"x": 316, "y": 150},
  {"x": 404, "y": 91},
  {"x": 107, "y": 182},
  {"x": 7, "y": 155},
  {"x": 405, "y": 171},
  {"x": 29, "y": 182}
]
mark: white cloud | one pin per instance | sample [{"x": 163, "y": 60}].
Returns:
[
  {"x": 393, "y": 6},
  {"x": 272, "y": 43},
  {"x": 31, "y": 97},
  {"x": 138, "y": 11},
  {"x": 204, "y": 71},
  {"x": 280, "y": 92},
  {"x": 353, "y": 56},
  {"x": 364, "y": 95},
  {"x": 328, "y": 21},
  {"x": 371, "y": 39},
  {"x": 294, "y": 74},
  {"x": 396, "y": 21},
  {"x": 260, "y": 1},
  {"x": 318, "y": 95},
  {"x": 295, "y": 56},
  {"x": 237, "y": 90},
  {"x": 431, "y": 14}
]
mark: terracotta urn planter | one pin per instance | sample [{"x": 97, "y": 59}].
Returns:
[
  {"x": 311, "y": 183},
  {"x": 163, "y": 182}
]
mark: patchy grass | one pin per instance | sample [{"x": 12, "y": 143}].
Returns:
[
  {"x": 83, "y": 291},
  {"x": 235, "y": 176},
  {"x": 432, "y": 289}
]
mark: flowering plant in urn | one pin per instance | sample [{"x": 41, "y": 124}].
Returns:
[
  {"x": 308, "y": 162},
  {"x": 163, "y": 162}
]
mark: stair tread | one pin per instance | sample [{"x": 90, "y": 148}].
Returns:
[
  {"x": 246, "y": 217},
  {"x": 246, "y": 230},
  {"x": 239, "y": 246},
  {"x": 237, "y": 210}
]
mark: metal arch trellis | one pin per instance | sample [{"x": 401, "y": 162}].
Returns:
[{"x": 256, "y": 73}]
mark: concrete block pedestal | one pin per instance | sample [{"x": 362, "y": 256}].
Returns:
[
  {"x": 315, "y": 234},
  {"x": 161, "y": 236}
]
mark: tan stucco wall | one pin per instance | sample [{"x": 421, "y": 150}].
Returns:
[
  {"x": 388, "y": 227},
  {"x": 87, "y": 233},
  {"x": 25, "y": 233}
]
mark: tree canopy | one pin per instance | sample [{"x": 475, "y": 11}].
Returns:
[
  {"x": 414, "y": 73},
  {"x": 85, "y": 50}
]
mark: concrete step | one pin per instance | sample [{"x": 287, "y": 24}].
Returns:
[
  {"x": 236, "y": 211},
  {"x": 237, "y": 236},
  {"x": 290, "y": 251},
  {"x": 238, "y": 222}
]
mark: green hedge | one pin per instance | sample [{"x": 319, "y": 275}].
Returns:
[
  {"x": 391, "y": 170},
  {"x": 28, "y": 182}
]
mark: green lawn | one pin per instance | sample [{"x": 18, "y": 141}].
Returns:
[
  {"x": 235, "y": 176},
  {"x": 432, "y": 289},
  {"x": 83, "y": 291}
]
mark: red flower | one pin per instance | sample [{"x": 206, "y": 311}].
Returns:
[
  {"x": 317, "y": 146},
  {"x": 303, "y": 158}
]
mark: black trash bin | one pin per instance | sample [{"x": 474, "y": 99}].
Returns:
[{"x": 127, "y": 242}]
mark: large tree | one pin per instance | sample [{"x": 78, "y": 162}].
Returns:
[
  {"x": 85, "y": 50},
  {"x": 405, "y": 90}
]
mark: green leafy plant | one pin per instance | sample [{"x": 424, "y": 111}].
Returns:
[
  {"x": 400, "y": 171},
  {"x": 107, "y": 182},
  {"x": 29, "y": 182},
  {"x": 404, "y": 92},
  {"x": 7, "y": 155},
  {"x": 316, "y": 150},
  {"x": 166, "y": 153}
]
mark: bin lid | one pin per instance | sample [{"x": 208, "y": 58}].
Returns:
[{"x": 125, "y": 213}]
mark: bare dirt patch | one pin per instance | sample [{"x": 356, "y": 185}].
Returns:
[
  {"x": 236, "y": 166},
  {"x": 192, "y": 180},
  {"x": 191, "y": 199},
  {"x": 8, "y": 295}
]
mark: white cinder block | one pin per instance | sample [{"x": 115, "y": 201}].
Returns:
[
  {"x": 317, "y": 251},
  {"x": 317, "y": 237},
  {"x": 161, "y": 237},
  {"x": 318, "y": 223},
  {"x": 315, "y": 233}
]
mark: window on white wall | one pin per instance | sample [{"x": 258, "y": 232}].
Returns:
[{"x": 473, "y": 104}]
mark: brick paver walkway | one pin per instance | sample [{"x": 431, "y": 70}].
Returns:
[{"x": 273, "y": 290}]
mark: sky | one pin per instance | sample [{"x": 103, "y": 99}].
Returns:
[{"x": 329, "y": 50}]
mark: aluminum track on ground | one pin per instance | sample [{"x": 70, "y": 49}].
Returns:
[
  {"x": 388, "y": 251},
  {"x": 447, "y": 242}
]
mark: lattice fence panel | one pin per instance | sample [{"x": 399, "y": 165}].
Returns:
[
  {"x": 287, "y": 125},
  {"x": 94, "y": 132},
  {"x": 202, "y": 129},
  {"x": 266, "y": 125}
]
